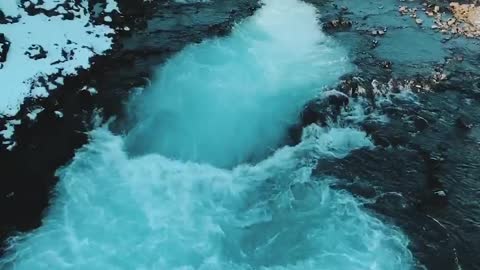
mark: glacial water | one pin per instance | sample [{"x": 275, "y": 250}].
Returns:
[{"x": 178, "y": 190}]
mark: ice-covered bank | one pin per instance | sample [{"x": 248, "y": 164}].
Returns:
[
  {"x": 45, "y": 41},
  {"x": 160, "y": 196}
]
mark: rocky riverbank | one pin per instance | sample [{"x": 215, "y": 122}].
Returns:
[{"x": 422, "y": 173}]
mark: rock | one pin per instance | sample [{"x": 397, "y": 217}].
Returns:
[
  {"x": 4, "y": 48},
  {"x": 390, "y": 202},
  {"x": 311, "y": 113},
  {"x": 440, "y": 193},
  {"x": 376, "y": 32},
  {"x": 36, "y": 52},
  {"x": 436, "y": 197},
  {"x": 337, "y": 24},
  {"x": 85, "y": 99},
  {"x": 463, "y": 122},
  {"x": 219, "y": 29},
  {"x": 387, "y": 64},
  {"x": 383, "y": 135},
  {"x": 294, "y": 135},
  {"x": 324, "y": 108},
  {"x": 336, "y": 98},
  {"x": 8, "y": 19},
  {"x": 420, "y": 123},
  {"x": 361, "y": 189}
]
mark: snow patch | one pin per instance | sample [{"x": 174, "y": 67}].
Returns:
[
  {"x": 10, "y": 8},
  {"x": 9, "y": 129},
  {"x": 111, "y": 6},
  {"x": 69, "y": 45},
  {"x": 59, "y": 114},
  {"x": 33, "y": 114}
]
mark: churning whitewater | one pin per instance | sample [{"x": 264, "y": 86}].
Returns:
[{"x": 179, "y": 191}]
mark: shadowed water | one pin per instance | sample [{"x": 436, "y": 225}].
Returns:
[{"x": 160, "y": 196}]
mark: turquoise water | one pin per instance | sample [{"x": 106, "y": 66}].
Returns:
[
  {"x": 177, "y": 192},
  {"x": 232, "y": 99}
]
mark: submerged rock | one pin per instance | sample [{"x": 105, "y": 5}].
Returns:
[{"x": 337, "y": 24}]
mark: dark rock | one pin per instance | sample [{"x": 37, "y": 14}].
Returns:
[
  {"x": 391, "y": 202},
  {"x": 36, "y": 52},
  {"x": 349, "y": 85},
  {"x": 4, "y": 48},
  {"x": 337, "y": 98},
  {"x": 294, "y": 135},
  {"x": 86, "y": 99},
  {"x": 434, "y": 193},
  {"x": 434, "y": 198},
  {"x": 311, "y": 113},
  {"x": 219, "y": 29},
  {"x": 376, "y": 32},
  {"x": 358, "y": 188},
  {"x": 68, "y": 16},
  {"x": 387, "y": 64},
  {"x": 463, "y": 122},
  {"x": 420, "y": 123},
  {"x": 385, "y": 136},
  {"x": 319, "y": 111},
  {"x": 338, "y": 24},
  {"x": 325, "y": 108},
  {"x": 7, "y": 19}
]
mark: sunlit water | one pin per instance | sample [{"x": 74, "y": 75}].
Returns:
[{"x": 164, "y": 196}]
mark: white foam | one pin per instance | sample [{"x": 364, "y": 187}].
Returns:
[
  {"x": 150, "y": 212},
  {"x": 231, "y": 99},
  {"x": 111, "y": 6}
]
